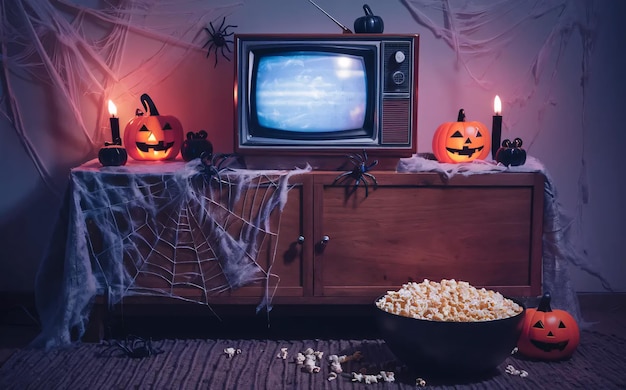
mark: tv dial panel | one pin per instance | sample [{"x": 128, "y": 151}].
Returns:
[
  {"x": 397, "y": 99},
  {"x": 397, "y": 67}
]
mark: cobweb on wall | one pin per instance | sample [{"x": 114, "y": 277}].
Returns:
[
  {"x": 481, "y": 33},
  {"x": 170, "y": 230},
  {"x": 77, "y": 53}
]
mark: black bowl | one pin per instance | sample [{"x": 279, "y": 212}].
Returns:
[{"x": 450, "y": 349}]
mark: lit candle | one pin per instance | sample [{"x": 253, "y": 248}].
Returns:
[
  {"x": 115, "y": 124},
  {"x": 496, "y": 127}
]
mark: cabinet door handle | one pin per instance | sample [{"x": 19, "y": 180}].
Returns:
[
  {"x": 300, "y": 239},
  {"x": 321, "y": 245}
]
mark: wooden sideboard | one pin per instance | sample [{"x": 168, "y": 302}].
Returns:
[{"x": 338, "y": 246}]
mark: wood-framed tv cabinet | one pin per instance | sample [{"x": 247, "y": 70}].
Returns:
[{"x": 338, "y": 246}]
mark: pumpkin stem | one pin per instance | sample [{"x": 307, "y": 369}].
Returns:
[
  {"x": 461, "y": 117},
  {"x": 544, "y": 303},
  {"x": 148, "y": 105}
]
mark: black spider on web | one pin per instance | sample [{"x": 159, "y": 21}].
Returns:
[
  {"x": 218, "y": 40},
  {"x": 133, "y": 347},
  {"x": 212, "y": 165},
  {"x": 360, "y": 172}
]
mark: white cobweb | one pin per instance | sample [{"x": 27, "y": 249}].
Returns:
[
  {"x": 174, "y": 230},
  {"x": 80, "y": 54}
]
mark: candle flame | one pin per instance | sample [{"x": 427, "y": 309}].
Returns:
[
  {"x": 497, "y": 105},
  {"x": 112, "y": 108}
]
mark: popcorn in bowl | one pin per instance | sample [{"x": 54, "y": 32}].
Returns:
[{"x": 448, "y": 300}]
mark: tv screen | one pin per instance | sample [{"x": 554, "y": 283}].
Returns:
[{"x": 311, "y": 92}]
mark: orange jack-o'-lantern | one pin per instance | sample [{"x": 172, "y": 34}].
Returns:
[
  {"x": 152, "y": 137},
  {"x": 461, "y": 141},
  {"x": 548, "y": 334}
]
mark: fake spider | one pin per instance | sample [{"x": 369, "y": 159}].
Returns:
[
  {"x": 213, "y": 165},
  {"x": 218, "y": 40},
  {"x": 360, "y": 172},
  {"x": 136, "y": 347}
]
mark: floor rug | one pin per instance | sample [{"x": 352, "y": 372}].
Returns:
[{"x": 599, "y": 363}]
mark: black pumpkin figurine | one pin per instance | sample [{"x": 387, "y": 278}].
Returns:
[
  {"x": 195, "y": 145},
  {"x": 511, "y": 153},
  {"x": 112, "y": 155},
  {"x": 369, "y": 23}
]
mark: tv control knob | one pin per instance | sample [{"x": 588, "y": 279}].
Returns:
[
  {"x": 398, "y": 77},
  {"x": 399, "y": 57}
]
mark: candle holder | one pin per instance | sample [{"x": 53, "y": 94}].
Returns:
[{"x": 112, "y": 155}]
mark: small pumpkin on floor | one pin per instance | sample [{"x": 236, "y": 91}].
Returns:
[{"x": 548, "y": 334}]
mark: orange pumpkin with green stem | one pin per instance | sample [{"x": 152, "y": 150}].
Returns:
[{"x": 461, "y": 141}]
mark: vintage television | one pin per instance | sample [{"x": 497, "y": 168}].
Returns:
[{"x": 303, "y": 98}]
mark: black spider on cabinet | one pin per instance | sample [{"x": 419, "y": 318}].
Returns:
[{"x": 360, "y": 172}]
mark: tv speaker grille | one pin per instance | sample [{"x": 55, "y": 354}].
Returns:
[{"x": 396, "y": 122}]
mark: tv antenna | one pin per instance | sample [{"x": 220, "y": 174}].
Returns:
[{"x": 345, "y": 29}]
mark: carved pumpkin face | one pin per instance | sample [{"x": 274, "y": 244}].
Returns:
[
  {"x": 153, "y": 137},
  {"x": 548, "y": 334},
  {"x": 461, "y": 141}
]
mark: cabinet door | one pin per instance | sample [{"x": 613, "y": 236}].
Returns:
[
  {"x": 415, "y": 226},
  {"x": 179, "y": 251},
  {"x": 280, "y": 256}
]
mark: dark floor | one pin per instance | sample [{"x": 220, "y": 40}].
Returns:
[{"x": 605, "y": 313}]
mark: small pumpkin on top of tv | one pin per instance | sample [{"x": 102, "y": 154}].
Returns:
[
  {"x": 152, "y": 137},
  {"x": 369, "y": 23},
  {"x": 461, "y": 141}
]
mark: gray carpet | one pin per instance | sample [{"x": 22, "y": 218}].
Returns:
[{"x": 598, "y": 363}]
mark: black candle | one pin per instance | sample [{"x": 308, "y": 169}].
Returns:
[
  {"x": 115, "y": 124},
  {"x": 496, "y": 127}
]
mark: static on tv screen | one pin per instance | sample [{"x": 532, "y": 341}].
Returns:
[{"x": 311, "y": 92}]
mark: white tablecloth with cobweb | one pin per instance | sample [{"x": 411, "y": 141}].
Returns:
[{"x": 184, "y": 228}]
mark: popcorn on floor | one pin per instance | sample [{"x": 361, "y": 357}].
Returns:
[{"x": 230, "y": 351}]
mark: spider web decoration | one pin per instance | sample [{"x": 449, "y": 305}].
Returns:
[
  {"x": 166, "y": 230},
  {"x": 83, "y": 55}
]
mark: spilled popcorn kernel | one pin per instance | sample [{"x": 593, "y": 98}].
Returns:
[
  {"x": 232, "y": 351},
  {"x": 514, "y": 371},
  {"x": 282, "y": 354}
]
